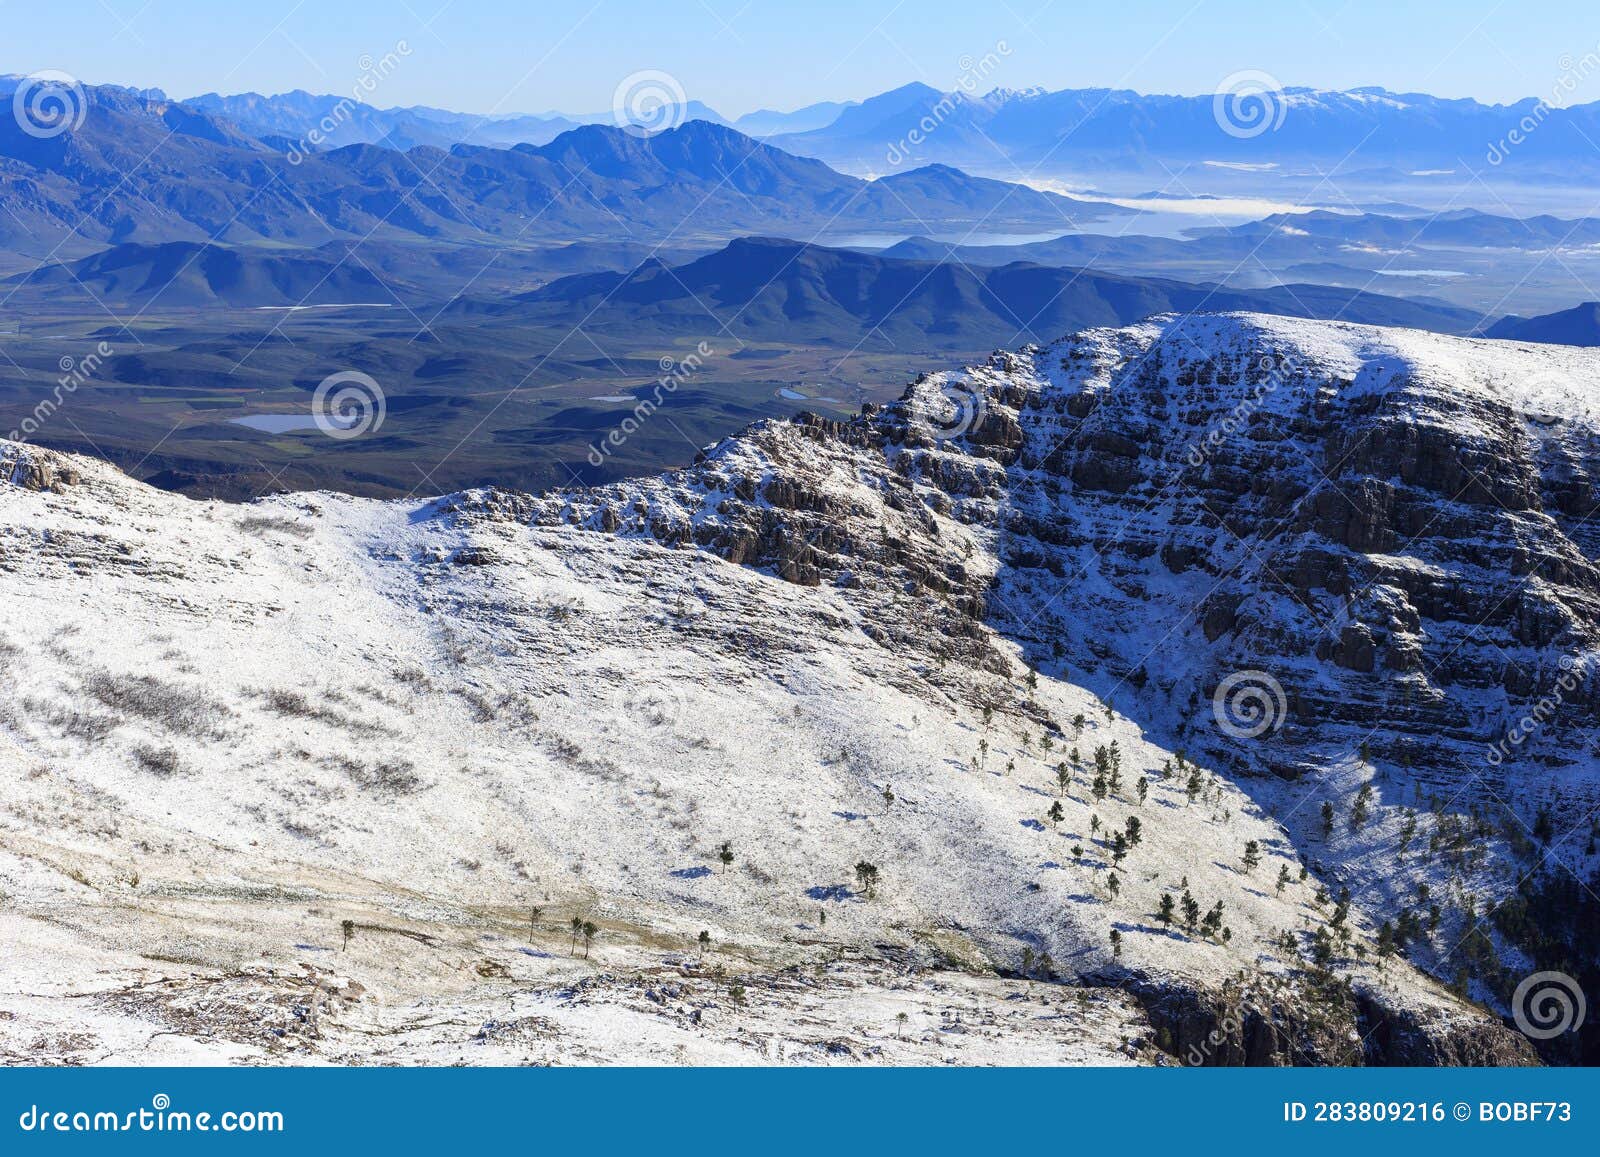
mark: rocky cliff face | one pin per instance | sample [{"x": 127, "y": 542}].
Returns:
[
  {"x": 33, "y": 470},
  {"x": 1357, "y": 564},
  {"x": 1397, "y": 528}
]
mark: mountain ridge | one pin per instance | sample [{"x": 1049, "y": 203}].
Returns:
[
  {"x": 772, "y": 285},
  {"x": 220, "y": 184}
]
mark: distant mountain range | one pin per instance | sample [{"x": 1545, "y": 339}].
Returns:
[
  {"x": 202, "y": 202},
  {"x": 1349, "y": 236},
  {"x": 299, "y": 114},
  {"x": 771, "y": 289},
  {"x": 1116, "y": 130},
  {"x": 1578, "y": 326},
  {"x": 143, "y": 169},
  {"x": 762, "y": 288},
  {"x": 1364, "y": 130},
  {"x": 184, "y": 274},
  {"x": 296, "y": 115},
  {"x": 1464, "y": 228}
]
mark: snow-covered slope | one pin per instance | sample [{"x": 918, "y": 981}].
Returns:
[{"x": 462, "y": 724}]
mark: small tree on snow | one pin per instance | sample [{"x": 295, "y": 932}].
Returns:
[
  {"x": 867, "y": 877},
  {"x": 1055, "y": 814},
  {"x": 725, "y": 854},
  {"x": 1252, "y": 855},
  {"x": 1191, "y": 911},
  {"x": 1359, "y": 812}
]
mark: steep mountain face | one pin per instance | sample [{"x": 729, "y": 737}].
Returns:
[
  {"x": 1356, "y": 566},
  {"x": 945, "y": 790},
  {"x": 1399, "y": 524}
]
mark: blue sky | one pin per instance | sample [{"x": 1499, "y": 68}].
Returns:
[{"x": 500, "y": 56}]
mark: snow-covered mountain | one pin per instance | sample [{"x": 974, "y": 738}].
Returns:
[
  {"x": 924, "y": 714},
  {"x": 1251, "y": 121}
]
